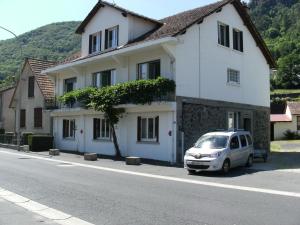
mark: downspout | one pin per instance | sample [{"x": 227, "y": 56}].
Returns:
[{"x": 199, "y": 60}]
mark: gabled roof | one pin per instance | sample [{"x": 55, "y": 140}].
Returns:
[
  {"x": 101, "y": 4},
  {"x": 294, "y": 107},
  {"x": 44, "y": 83},
  {"x": 177, "y": 24}
]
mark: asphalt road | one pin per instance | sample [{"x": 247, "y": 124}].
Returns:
[{"x": 112, "y": 198}]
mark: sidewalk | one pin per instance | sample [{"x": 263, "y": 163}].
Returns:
[{"x": 11, "y": 214}]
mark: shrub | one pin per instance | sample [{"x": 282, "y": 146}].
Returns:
[
  {"x": 290, "y": 135},
  {"x": 40, "y": 143},
  {"x": 25, "y": 137}
]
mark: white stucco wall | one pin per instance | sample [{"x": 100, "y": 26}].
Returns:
[
  {"x": 208, "y": 79},
  {"x": 281, "y": 127},
  {"x": 126, "y": 132}
]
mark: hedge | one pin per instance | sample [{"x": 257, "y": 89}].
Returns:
[{"x": 39, "y": 143}]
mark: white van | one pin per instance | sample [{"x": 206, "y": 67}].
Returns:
[{"x": 220, "y": 151}]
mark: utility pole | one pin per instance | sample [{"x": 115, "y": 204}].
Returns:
[{"x": 17, "y": 124}]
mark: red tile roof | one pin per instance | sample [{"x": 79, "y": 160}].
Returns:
[
  {"x": 294, "y": 107},
  {"x": 280, "y": 118},
  {"x": 45, "y": 84}
]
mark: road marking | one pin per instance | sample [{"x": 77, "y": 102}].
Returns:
[
  {"x": 168, "y": 178},
  {"x": 42, "y": 210}
]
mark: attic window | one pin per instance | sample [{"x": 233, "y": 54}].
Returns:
[
  {"x": 238, "y": 40},
  {"x": 223, "y": 34},
  {"x": 112, "y": 37},
  {"x": 95, "y": 43},
  {"x": 31, "y": 87}
]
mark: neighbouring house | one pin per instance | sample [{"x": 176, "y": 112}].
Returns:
[
  {"x": 215, "y": 55},
  {"x": 32, "y": 98},
  {"x": 288, "y": 121},
  {"x": 7, "y": 115}
]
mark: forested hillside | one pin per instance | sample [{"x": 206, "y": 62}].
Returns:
[
  {"x": 51, "y": 42},
  {"x": 279, "y": 23}
]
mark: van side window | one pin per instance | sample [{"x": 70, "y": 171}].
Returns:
[
  {"x": 243, "y": 141},
  {"x": 249, "y": 139},
  {"x": 234, "y": 143}
]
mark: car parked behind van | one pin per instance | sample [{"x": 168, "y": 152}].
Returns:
[{"x": 220, "y": 151}]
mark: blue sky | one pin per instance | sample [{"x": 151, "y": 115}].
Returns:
[{"x": 21, "y": 16}]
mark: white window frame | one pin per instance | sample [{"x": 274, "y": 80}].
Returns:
[
  {"x": 98, "y": 43},
  {"x": 97, "y": 78},
  {"x": 147, "y": 138},
  {"x": 239, "y": 44},
  {"x": 70, "y": 129},
  {"x": 107, "y": 132},
  {"x": 143, "y": 69},
  {"x": 233, "y": 120},
  {"x": 224, "y": 33},
  {"x": 115, "y": 36},
  {"x": 233, "y": 77}
]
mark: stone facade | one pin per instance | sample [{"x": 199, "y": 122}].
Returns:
[{"x": 196, "y": 117}]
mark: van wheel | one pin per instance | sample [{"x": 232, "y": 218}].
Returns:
[
  {"x": 226, "y": 166},
  {"x": 191, "y": 172},
  {"x": 249, "y": 161}
]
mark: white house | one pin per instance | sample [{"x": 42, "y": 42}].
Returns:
[
  {"x": 289, "y": 121},
  {"x": 215, "y": 55},
  {"x": 33, "y": 98}
]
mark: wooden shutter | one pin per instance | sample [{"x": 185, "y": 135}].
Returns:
[
  {"x": 96, "y": 128},
  {"x": 31, "y": 87},
  {"x": 227, "y": 36},
  {"x": 65, "y": 128},
  {"x": 118, "y": 35},
  {"x": 106, "y": 39},
  {"x": 22, "y": 118},
  {"x": 157, "y": 128},
  {"x": 100, "y": 41},
  {"x": 139, "y": 127},
  {"x": 38, "y": 117},
  {"x": 241, "y": 41},
  {"x": 90, "y": 44}
]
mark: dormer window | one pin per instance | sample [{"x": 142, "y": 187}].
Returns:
[
  {"x": 95, "y": 43},
  {"x": 112, "y": 37}
]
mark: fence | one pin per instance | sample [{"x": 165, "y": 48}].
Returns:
[{"x": 9, "y": 139}]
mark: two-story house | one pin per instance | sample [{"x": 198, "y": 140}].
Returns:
[
  {"x": 32, "y": 98},
  {"x": 215, "y": 55}
]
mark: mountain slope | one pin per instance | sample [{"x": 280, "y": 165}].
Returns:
[
  {"x": 279, "y": 23},
  {"x": 52, "y": 42}
]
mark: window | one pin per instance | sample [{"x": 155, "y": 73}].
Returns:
[
  {"x": 249, "y": 139},
  {"x": 234, "y": 143},
  {"x": 233, "y": 77},
  {"x": 223, "y": 34},
  {"x": 238, "y": 40},
  {"x": 148, "y": 129},
  {"x": 243, "y": 141},
  {"x": 112, "y": 37},
  {"x": 234, "y": 120},
  {"x": 95, "y": 43},
  {"x": 69, "y": 128},
  {"x": 149, "y": 70},
  {"x": 298, "y": 122},
  {"x": 101, "y": 129},
  {"x": 104, "y": 78},
  {"x": 38, "y": 117},
  {"x": 31, "y": 87},
  {"x": 69, "y": 85},
  {"x": 22, "y": 118}
]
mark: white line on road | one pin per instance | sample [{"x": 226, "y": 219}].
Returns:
[
  {"x": 168, "y": 178},
  {"x": 42, "y": 210}
]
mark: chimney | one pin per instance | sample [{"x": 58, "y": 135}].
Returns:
[{"x": 246, "y": 7}]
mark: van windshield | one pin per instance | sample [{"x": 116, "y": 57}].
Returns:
[{"x": 212, "y": 142}]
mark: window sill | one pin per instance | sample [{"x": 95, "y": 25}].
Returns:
[
  {"x": 69, "y": 139},
  {"x": 147, "y": 143},
  {"x": 238, "y": 51},
  {"x": 233, "y": 84},
  {"x": 102, "y": 140},
  {"x": 223, "y": 46},
  {"x": 38, "y": 128}
]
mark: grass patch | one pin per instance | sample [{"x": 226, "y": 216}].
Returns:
[{"x": 285, "y": 91}]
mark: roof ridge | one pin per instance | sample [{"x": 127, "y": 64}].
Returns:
[{"x": 41, "y": 60}]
